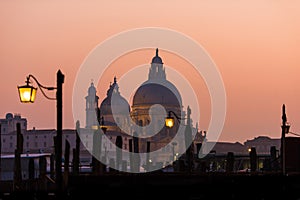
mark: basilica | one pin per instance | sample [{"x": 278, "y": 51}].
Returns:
[{"x": 152, "y": 102}]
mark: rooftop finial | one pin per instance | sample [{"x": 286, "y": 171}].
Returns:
[
  {"x": 115, "y": 79},
  {"x": 156, "y": 52}
]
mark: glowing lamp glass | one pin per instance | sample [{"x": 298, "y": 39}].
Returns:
[
  {"x": 169, "y": 122},
  {"x": 27, "y": 93}
]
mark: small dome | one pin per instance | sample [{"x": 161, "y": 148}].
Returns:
[
  {"x": 156, "y": 58},
  {"x": 9, "y": 116},
  {"x": 122, "y": 106},
  {"x": 154, "y": 93},
  {"x": 120, "y": 102}
]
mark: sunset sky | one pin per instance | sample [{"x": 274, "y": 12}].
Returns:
[{"x": 255, "y": 45}]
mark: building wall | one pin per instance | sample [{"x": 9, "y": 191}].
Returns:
[
  {"x": 9, "y": 123},
  {"x": 263, "y": 144},
  {"x": 292, "y": 154}
]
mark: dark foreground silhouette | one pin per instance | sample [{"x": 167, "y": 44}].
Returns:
[{"x": 170, "y": 186}]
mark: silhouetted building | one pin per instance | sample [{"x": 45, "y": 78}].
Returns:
[
  {"x": 9, "y": 123},
  {"x": 263, "y": 144},
  {"x": 292, "y": 154}
]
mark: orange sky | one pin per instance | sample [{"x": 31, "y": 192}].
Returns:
[{"x": 255, "y": 44}]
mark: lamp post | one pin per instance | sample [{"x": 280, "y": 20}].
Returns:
[
  {"x": 169, "y": 121},
  {"x": 284, "y": 130},
  {"x": 27, "y": 94}
]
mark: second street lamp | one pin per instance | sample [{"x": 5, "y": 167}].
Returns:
[
  {"x": 169, "y": 121},
  {"x": 27, "y": 94}
]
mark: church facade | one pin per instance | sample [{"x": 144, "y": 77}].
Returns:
[{"x": 145, "y": 118}]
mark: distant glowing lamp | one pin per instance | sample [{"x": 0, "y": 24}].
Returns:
[
  {"x": 169, "y": 122},
  {"x": 27, "y": 92}
]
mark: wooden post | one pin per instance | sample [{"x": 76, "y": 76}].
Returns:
[
  {"x": 282, "y": 149},
  {"x": 52, "y": 164},
  {"x": 0, "y": 150},
  {"x": 19, "y": 139},
  {"x": 253, "y": 160},
  {"x": 42, "y": 172},
  {"x": 148, "y": 157},
  {"x": 97, "y": 144},
  {"x": 66, "y": 163},
  {"x": 130, "y": 155},
  {"x": 17, "y": 164},
  {"x": 274, "y": 161},
  {"x": 58, "y": 146},
  {"x": 188, "y": 142},
  {"x": 76, "y": 151},
  {"x": 119, "y": 145},
  {"x": 136, "y": 156},
  {"x": 230, "y": 162},
  {"x": 31, "y": 169},
  {"x": 31, "y": 174}
]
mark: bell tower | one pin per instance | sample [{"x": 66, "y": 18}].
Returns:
[{"x": 91, "y": 107}]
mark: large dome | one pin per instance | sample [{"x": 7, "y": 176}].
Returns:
[
  {"x": 164, "y": 93},
  {"x": 157, "y": 89}
]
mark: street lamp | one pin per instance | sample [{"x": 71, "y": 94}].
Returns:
[
  {"x": 169, "y": 121},
  {"x": 27, "y": 94}
]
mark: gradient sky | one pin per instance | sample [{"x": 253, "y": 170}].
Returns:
[{"x": 255, "y": 44}]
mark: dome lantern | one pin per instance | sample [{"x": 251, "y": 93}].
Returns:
[{"x": 156, "y": 58}]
